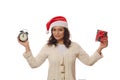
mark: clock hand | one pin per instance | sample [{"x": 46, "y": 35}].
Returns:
[{"x": 23, "y": 35}]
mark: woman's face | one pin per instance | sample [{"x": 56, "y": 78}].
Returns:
[{"x": 58, "y": 33}]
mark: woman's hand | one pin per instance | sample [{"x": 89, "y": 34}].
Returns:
[
  {"x": 103, "y": 44},
  {"x": 25, "y": 44}
]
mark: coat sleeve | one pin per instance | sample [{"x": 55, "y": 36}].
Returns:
[
  {"x": 86, "y": 59},
  {"x": 38, "y": 60}
]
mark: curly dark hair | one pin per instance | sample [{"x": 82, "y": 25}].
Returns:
[{"x": 67, "y": 41}]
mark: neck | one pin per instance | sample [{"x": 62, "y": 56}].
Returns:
[{"x": 60, "y": 42}]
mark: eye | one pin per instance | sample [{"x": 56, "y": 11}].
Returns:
[
  {"x": 60, "y": 30},
  {"x": 54, "y": 29}
]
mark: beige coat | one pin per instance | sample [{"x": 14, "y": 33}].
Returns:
[{"x": 61, "y": 67}]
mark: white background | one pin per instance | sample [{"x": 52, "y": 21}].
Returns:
[{"x": 84, "y": 18}]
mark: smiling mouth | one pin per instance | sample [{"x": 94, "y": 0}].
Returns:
[{"x": 57, "y": 36}]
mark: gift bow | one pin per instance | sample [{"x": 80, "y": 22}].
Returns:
[{"x": 101, "y": 35}]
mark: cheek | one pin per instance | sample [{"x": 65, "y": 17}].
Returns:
[
  {"x": 54, "y": 33},
  {"x": 62, "y": 33}
]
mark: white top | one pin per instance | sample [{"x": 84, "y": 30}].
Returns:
[{"x": 61, "y": 48}]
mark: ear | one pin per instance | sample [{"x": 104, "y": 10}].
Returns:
[
  {"x": 21, "y": 31},
  {"x": 26, "y": 33}
]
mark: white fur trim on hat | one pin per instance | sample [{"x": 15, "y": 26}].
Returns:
[{"x": 59, "y": 23}]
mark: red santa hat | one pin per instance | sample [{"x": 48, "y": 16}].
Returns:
[{"x": 56, "y": 21}]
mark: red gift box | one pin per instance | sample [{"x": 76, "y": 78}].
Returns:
[{"x": 101, "y": 35}]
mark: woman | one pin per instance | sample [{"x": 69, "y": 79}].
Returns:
[{"x": 61, "y": 52}]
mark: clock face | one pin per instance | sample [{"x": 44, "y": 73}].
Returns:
[{"x": 23, "y": 37}]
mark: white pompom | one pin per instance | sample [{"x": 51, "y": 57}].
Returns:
[{"x": 47, "y": 32}]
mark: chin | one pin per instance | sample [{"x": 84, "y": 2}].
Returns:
[{"x": 58, "y": 39}]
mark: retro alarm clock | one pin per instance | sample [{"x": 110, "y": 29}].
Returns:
[{"x": 23, "y": 35}]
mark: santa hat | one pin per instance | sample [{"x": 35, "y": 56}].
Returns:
[{"x": 56, "y": 21}]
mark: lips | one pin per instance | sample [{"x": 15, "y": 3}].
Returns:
[{"x": 57, "y": 36}]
